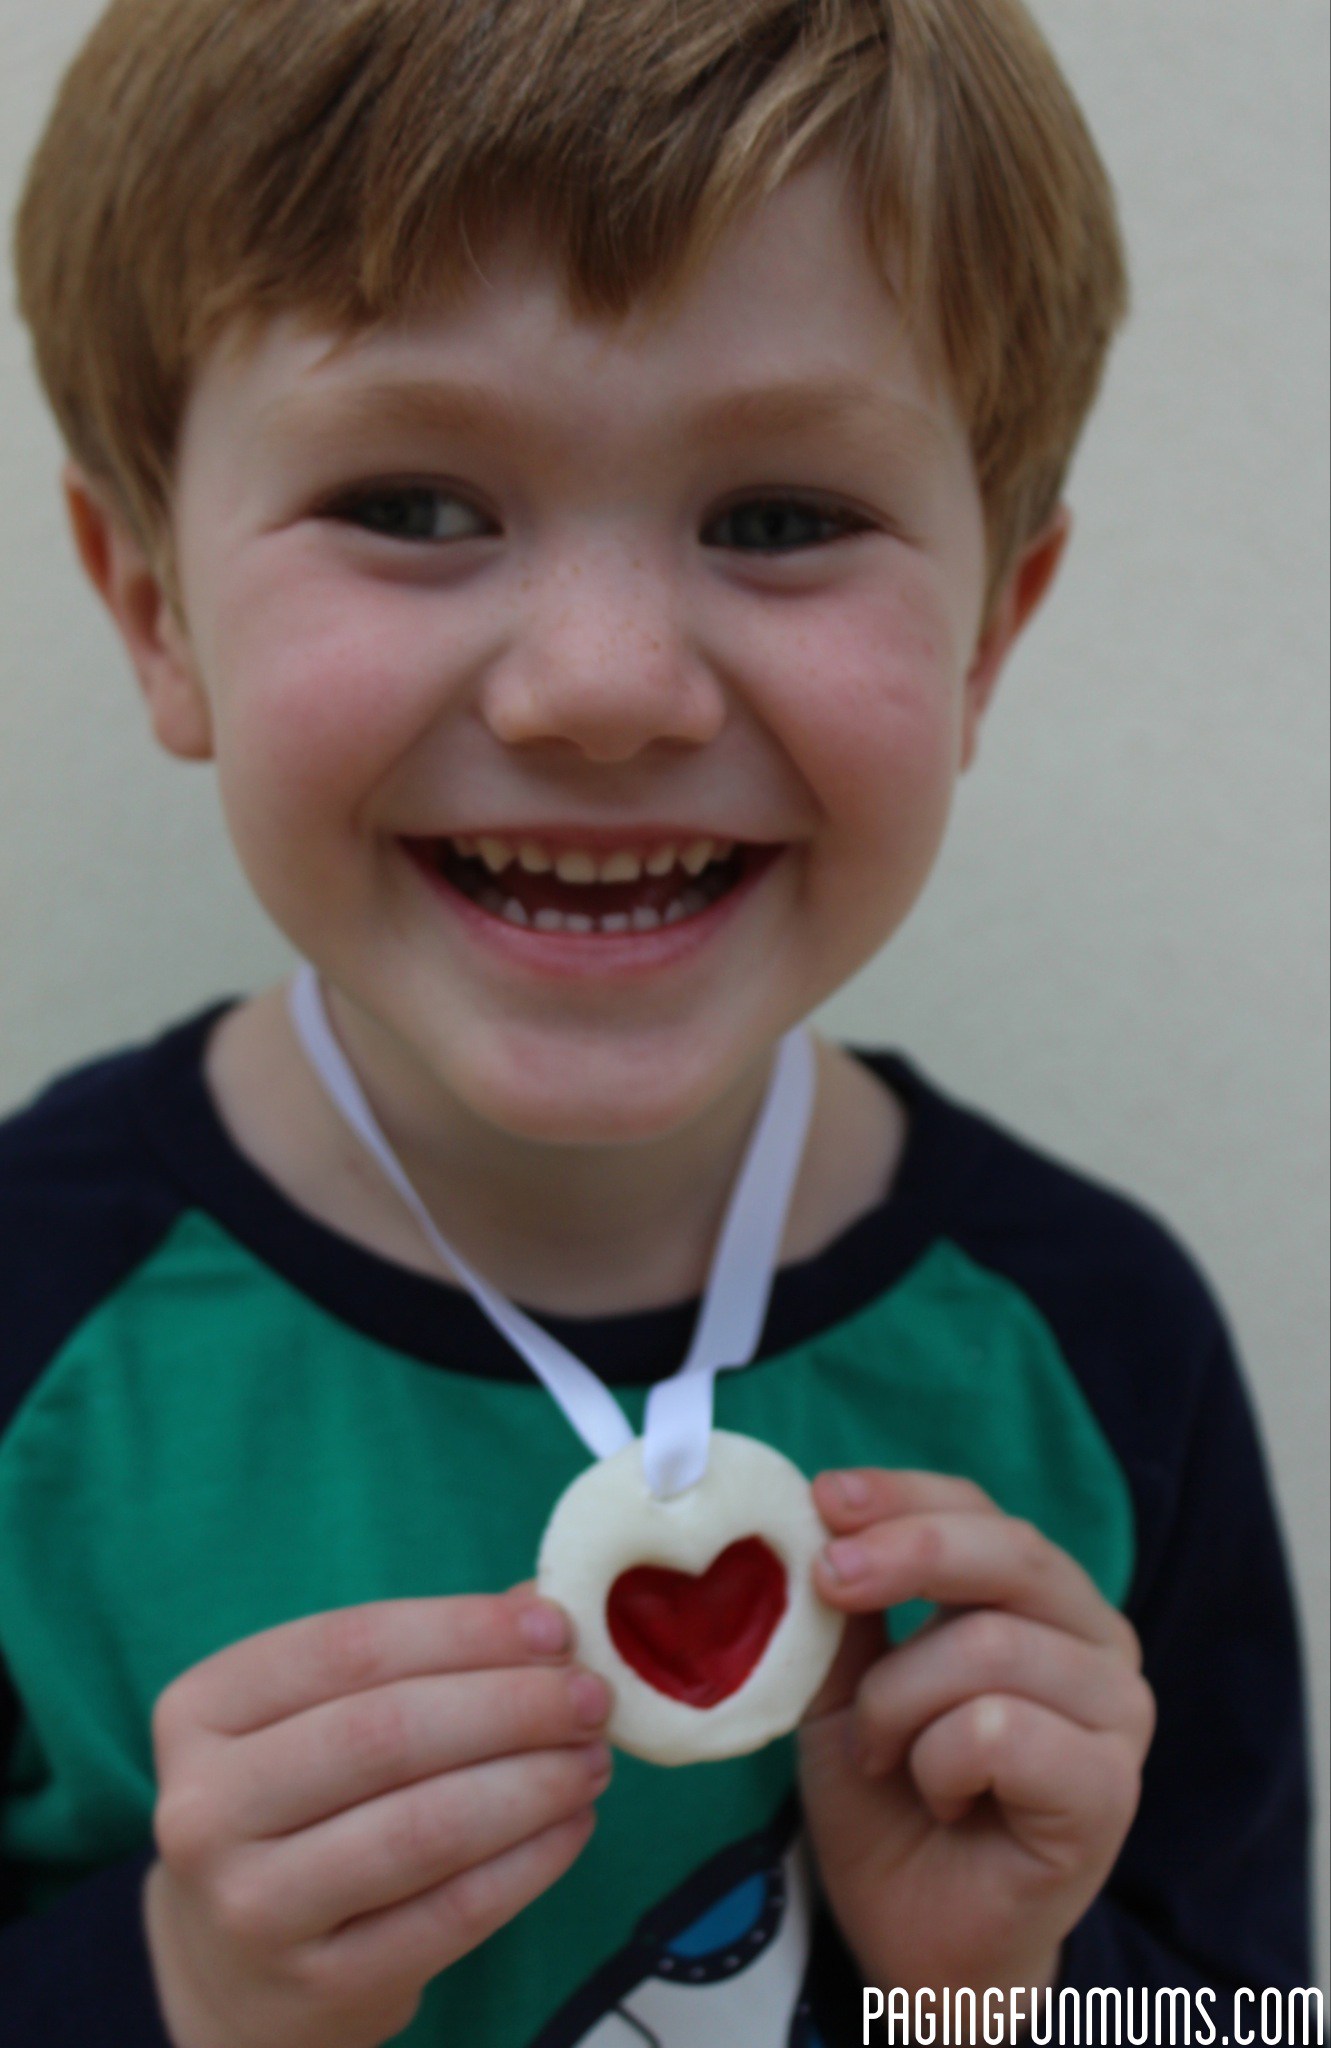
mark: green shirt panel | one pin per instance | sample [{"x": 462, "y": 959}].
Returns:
[{"x": 212, "y": 1454}]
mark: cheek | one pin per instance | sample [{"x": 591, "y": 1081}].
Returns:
[
  {"x": 866, "y": 698},
  {"x": 318, "y": 697}
]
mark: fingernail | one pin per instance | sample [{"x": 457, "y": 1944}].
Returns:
[
  {"x": 590, "y": 1696},
  {"x": 545, "y": 1629},
  {"x": 991, "y": 1720},
  {"x": 846, "y": 1561},
  {"x": 598, "y": 1761},
  {"x": 853, "y": 1488}
]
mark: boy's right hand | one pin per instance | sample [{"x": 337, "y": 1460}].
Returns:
[{"x": 349, "y": 1803}]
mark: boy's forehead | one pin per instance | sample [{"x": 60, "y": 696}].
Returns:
[{"x": 785, "y": 327}]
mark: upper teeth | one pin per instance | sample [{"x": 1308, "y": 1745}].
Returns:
[{"x": 581, "y": 865}]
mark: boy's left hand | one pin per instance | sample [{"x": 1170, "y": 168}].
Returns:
[{"x": 968, "y": 1792}]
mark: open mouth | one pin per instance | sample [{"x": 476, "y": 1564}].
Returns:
[{"x": 616, "y": 893}]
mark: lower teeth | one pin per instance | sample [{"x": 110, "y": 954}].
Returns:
[{"x": 613, "y": 925}]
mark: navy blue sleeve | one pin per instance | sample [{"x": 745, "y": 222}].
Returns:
[
  {"x": 78, "y": 1976},
  {"x": 76, "y": 1213},
  {"x": 1212, "y": 1887}
]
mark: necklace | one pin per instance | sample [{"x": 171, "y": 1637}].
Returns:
[{"x": 695, "y": 1631}]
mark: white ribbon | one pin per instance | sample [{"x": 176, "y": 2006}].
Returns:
[{"x": 678, "y": 1420}]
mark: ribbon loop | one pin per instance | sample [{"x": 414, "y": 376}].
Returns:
[{"x": 678, "y": 1421}]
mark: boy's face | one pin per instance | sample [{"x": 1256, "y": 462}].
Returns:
[{"x": 701, "y": 580}]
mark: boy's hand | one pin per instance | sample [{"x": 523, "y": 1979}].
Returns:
[
  {"x": 351, "y": 1802},
  {"x": 967, "y": 1793}
]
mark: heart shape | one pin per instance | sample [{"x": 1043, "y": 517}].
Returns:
[
  {"x": 699, "y": 1609},
  {"x": 697, "y": 1638}
]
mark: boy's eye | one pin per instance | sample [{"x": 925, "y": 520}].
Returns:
[
  {"x": 779, "y": 526},
  {"x": 413, "y": 512}
]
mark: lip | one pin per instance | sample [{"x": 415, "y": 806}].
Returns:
[{"x": 567, "y": 956}]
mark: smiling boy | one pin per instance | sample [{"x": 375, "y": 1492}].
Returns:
[{"x": 578, "y": 472}]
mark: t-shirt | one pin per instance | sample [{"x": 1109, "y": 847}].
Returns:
[{"x": 216, "y": 1415}]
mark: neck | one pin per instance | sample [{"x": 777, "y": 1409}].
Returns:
[
  {"x": 571, "y": 1230},
  {"x": 582, "y": 1228}
]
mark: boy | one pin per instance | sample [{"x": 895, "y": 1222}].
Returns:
[{"x": 578, "y": 470}]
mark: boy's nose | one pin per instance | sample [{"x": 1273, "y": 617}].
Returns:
[{"x": 601, "y": 662}]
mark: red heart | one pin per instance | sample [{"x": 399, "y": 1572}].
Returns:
[{"x": 698, "y": 1639}]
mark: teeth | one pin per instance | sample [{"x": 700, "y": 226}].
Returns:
[
  {"x": 580, "y": 866},
  {"x": 576, "y": 867},
  {"x": 687, "y": 905},
  {"x": 496, "y": 853},
  {"x": 615, "y": 925}
]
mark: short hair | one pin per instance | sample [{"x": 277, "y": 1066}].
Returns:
[{"x": 215, "y": 161}]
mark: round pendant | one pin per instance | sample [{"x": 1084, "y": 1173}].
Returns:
[{"x": 699, "y": 1611}]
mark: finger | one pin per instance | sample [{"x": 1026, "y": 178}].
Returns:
[
  {"x": 1062, "y": 1788},
  {"x": 853, "y": 1499},
  {"x": 969, "y": 1560},
  {"x": 989, "y": 1651},
  {"x": 338, "y": 1755},
  {"x": 302, "y": 1886},
  {"x": 322, "y": 1657},
  {"x": 413, "y": 1942}
]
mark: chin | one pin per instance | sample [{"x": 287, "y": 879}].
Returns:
[{"x": 596, "y": 1090}]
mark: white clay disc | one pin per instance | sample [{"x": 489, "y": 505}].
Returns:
[{"x": 607, "y": 1524}]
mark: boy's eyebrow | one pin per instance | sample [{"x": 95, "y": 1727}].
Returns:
[
  {"x": 833, "y": 405},
  {"x": 841, "y": 406},
  {"x": 418, "y": 405}
]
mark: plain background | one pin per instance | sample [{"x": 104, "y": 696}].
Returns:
[{"x": 1123, "y": 952}]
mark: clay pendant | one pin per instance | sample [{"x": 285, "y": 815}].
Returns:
[{"x": 700, "y": 1610}]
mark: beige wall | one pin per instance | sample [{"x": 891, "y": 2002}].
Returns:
[{"x": 1124, "y": 951}]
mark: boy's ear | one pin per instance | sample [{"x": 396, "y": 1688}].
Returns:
[
  {"x": 145, "y": 615},
  {"x": 1016, "y": 604}
]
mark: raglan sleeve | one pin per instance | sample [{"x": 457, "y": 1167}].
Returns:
[
  {"x": 78, "y": 1974},
  {"x": 77, "y": 1212},
  {"x": 1211, "y": 1889}
]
